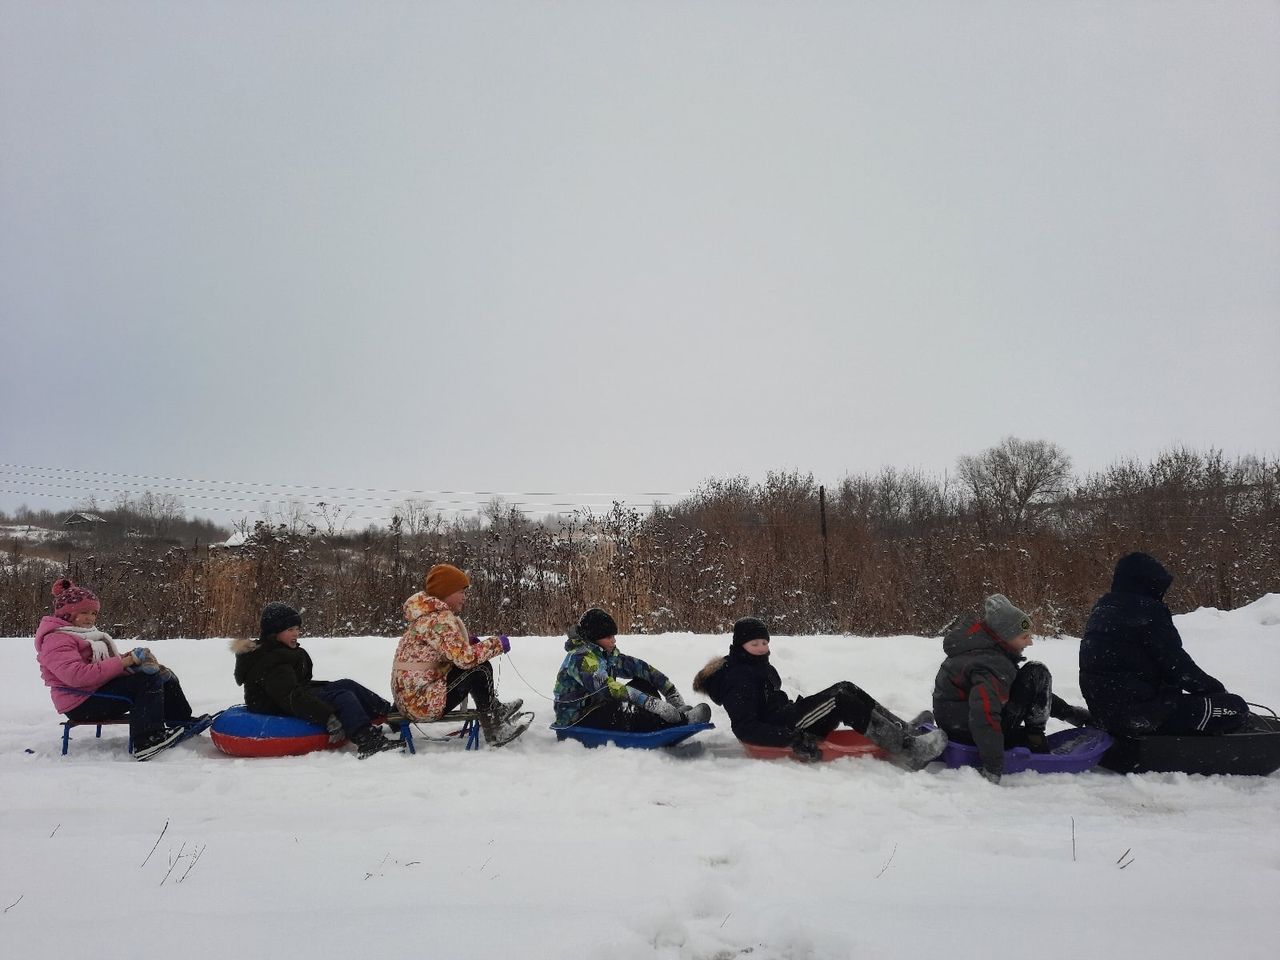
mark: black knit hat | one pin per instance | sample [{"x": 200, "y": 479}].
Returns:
[
  {"x": 749, "y": 628},
  {"x": 595, "y": 625},
  {"x": 278, "y": 617}
]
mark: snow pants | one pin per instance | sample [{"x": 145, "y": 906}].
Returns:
[
  {"x": 354, "y": 705},
  {"x": 625, "y": 715},
  {"x": 154, "y": 701},
  {"x": 843, "y": 702},
  {"x": 1212, "y": 714},
  {"x": 476, "y": 683},
  {"x": 1030, "y": 702}
]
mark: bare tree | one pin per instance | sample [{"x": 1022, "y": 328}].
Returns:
[
  {"x": 417, "y": 517},
  {"x": 160, "y": 510},
  {"x": 333, "y": 517},
  {"x": 1009, "y": 479}
]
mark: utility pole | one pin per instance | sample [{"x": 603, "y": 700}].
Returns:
[{"x": 826, "y": 563}]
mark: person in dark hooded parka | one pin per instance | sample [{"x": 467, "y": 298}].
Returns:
[{"x": 1134, "y": 673}]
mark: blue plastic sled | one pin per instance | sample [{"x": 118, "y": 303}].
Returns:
[
  {"x": 1070, "y": 751},
  {"x": 594, "y": 737}
]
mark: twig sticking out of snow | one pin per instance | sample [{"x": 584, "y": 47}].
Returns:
[
  {"x": 156, "y": 844},
  {"x": 173, "y": 862},
  {"x": 887, "y": 862},
  {"x": 194, "y": 861},
  {"x": 14, "y": 904}
]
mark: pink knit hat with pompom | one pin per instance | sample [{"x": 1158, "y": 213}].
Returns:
[{"x": 68, "y": 599}]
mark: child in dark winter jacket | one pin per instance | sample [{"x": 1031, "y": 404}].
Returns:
[
  {"x": 1134, "y": 673},
  {"x": 590, "y": 691},
  {"x": 276, "y": 675},
  {"x": 983, "y": 697},
  {"x": 90, "y": 680},
  {"x": 750, "y": 690}
]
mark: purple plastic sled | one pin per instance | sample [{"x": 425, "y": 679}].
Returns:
[{"x": 1070, "y": 751}]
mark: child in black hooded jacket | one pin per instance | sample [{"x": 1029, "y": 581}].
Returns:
[
  {"x": 276, "y": 674},
  {"x": 750, "y": 690}
]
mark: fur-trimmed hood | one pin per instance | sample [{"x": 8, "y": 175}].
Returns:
[
  {"x": 705, "y": 675},
  {"x": 252, "y": 652}
]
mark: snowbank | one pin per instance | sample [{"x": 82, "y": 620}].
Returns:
[{"x": 548, "y": 850}]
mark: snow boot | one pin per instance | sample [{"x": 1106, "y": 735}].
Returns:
[
  {"x": 891, "y": 734},
  {"x": 923, "y": 718},
  {"x": 499, "y": 731},
  {"x": 369, "y": 740},
  {"x": 508, "y": 710},
  {"x": 159, "y": 741},
  {"x": 696, "y": 713}
]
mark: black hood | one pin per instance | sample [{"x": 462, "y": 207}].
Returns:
[{"x": 1142, "y": 574}]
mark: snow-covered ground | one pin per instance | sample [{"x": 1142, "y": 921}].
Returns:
[
  {"x": 546, "y": 850},
  {"x": 23, "y": 531}
]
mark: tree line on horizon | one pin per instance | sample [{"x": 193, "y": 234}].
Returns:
[{"x": 895, "y": 552}]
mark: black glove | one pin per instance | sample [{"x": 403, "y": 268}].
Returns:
[{"x": 805, "y": 748}]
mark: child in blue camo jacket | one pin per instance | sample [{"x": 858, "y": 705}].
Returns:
[{"x": 591, "y": 692}]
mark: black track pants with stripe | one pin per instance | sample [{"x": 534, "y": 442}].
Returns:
[{"x": 843, "y": 702}]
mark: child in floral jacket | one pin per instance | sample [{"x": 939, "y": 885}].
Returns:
[{"x": 438, "y": 663}]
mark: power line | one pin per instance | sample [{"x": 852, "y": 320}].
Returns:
[
  {"x": 280, "y": 505},
  {"x": 253, "y": 496},
  {"x": 579, "y": 497}
]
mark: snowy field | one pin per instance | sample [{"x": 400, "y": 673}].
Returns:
[{"x": 547, "y": 851}]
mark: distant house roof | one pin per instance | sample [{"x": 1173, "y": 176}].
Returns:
[
  {"x": 79, "y": 518},
  {"x": 232, "y": 542}
]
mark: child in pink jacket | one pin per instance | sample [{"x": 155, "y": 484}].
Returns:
[{"x": 90, "y": 680}]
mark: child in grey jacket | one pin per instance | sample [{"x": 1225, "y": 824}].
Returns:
[{"x": 983, "y": 696}]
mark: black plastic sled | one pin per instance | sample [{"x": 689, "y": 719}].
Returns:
[{"x": 1252, "y": 752}]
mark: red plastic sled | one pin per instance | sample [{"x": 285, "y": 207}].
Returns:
[
  {"x": 239, "y": 733},
  {"x": 837, "y": 744}
]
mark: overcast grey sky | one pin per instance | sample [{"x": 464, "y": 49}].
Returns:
[{"x": 598, "y": 247}]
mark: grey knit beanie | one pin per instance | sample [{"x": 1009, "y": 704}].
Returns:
[{"x": 1005, "y": 620}]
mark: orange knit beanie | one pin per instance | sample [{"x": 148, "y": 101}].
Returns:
[{"x": 444, "y": 580}]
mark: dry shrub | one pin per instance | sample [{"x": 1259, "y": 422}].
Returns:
[{"x": 903, "y": 552}]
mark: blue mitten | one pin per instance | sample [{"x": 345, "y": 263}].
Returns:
[{"x": 146, "y": 662}]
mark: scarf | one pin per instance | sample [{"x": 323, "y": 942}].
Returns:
[{"x": 101, "y": 643}]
